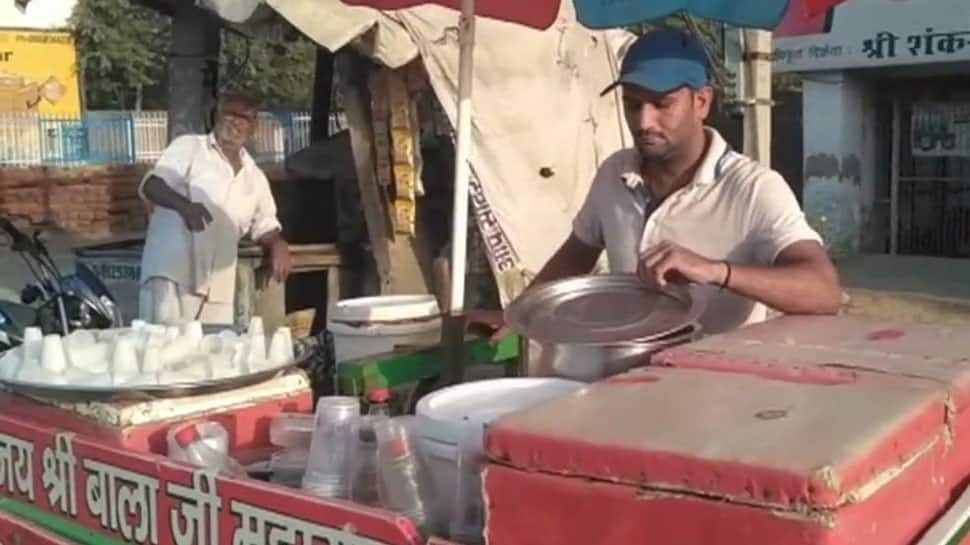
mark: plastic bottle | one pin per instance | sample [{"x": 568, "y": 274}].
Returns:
[
  {"x": 466, "y": 520},
  {"x": 379, "y": 403},
  {"x": 365, "y": 490},
  {"x": 402, "y": 480},
  {"x": 202, "y": 444}
]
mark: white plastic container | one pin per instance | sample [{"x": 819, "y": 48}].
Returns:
[
  {"x": 376, "y": 325},
  {"x": 445, "y": 416}
]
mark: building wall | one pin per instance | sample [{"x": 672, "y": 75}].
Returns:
[
  {"x": 845, "y": 58},
  {"x": 90, "y": 202},
  {"x": 839, "y": 149}
]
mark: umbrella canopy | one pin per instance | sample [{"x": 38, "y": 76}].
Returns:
[
  {"x": 533, "y": 13},
  {"x": 814, "y": 8},
  {"x": 765, "y": 14}
]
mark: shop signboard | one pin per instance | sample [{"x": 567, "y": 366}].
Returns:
[{"x": 873, "y": 33}]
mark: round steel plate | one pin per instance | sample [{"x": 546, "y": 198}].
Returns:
[
  {"x": 80, "y": 393},
  {"x": 602, "y": 309},
  {"x": 69, "y": 393}
]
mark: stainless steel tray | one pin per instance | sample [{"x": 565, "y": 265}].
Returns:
[
  {"x": 69, "y": 393},
  {"x": 603, "y": 309}
]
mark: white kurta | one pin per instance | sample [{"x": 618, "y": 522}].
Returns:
[{"x": 203, "y": 265}]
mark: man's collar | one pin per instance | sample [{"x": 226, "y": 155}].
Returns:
[
  {"x": 214, "y": 145},
  {"x": 706, "y": 172}
]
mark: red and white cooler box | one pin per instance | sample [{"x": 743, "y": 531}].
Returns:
[{"x": 798, "y": 431}]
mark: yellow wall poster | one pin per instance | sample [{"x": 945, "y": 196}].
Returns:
[{"x": 38, "y": 73}]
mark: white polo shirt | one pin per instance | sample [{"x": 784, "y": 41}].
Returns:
[
  {"x": 734, "y": 209},
  {"x": 204, "y": 263}
]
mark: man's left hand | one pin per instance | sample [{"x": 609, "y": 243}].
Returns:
[
  {"x": 668, "y": 262},
  {"x": 280, "y": 260}
]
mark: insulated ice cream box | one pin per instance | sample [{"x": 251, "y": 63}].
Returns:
[{"x": 798, "y": 431}]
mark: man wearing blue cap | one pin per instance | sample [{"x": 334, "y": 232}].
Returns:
[{"x": 681, "y": 206}]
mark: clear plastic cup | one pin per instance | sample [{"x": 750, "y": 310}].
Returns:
[
  {"x": 177, "y": 352},
  {"x": 124, "y": 361},
  {"x": 467, "y": 517},
  {"x": 52, "y": 356},
  {"x": 94, "y": 358},
  {"x": 291, "y": 430},
  {"x": 255, "y": 326},
  {"x": 193, "y": 332},
  {"x": 257, "y": 352},
  {"x": 240, "y": 357},
  {"x": 403, "y": 483},
  {"x": 280, "y": 347},
  {"x": 152, "y": 357},
  {"x": 33, "y": 344},
  {"x": 80, "y": 338},
  {"x": 287, "y": 467},
  {"x": 330, "y": 464}
]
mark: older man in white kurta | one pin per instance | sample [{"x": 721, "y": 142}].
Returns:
[{"x": 208, "y": 194}]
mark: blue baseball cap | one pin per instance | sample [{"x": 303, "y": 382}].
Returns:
[{"x": 663, "y": 61}]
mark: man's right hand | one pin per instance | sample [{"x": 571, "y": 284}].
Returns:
[
  {"x": 494, "y": 319},
  {"x": 195, "y": 216}
]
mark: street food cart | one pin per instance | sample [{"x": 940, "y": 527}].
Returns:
[{"x": 797, "y": 431}]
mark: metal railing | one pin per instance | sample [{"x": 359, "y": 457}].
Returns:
[{"x": 122, "y": 137}]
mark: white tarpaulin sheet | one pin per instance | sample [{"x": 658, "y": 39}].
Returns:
[{"x": 540, "y": 126}]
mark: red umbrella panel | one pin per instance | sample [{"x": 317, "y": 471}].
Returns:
[
  {"x": 540, "y": 14},
  {"x": 814, "y": 8},
  {"x": 806, "y": 17}
]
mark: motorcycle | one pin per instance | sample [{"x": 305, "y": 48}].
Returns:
[{"x": 53, "y": 302}]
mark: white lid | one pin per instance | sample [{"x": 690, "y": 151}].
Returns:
[
  {"x": 442, "y": 414},
  {"x": 386, "y": 308}
]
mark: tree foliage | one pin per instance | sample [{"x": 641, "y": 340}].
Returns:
[
  {"x": 277, "y": 73},
  {"x": 121, "y": 51},
  {"x": 123, "y": 54}
]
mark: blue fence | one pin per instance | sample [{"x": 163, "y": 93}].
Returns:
[
  {"x": 121, "y": 137},
  {"x": 93, "y": 139}
]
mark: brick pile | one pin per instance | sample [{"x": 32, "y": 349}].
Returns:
[{"x": 90, "y": 202}]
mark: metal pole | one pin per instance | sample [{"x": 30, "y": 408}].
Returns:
[
  {"x": 757, "y": 115},
  {"x": 459, "y": 221},
  {"x": 453, "y": 326},
  {"x": 894, "y": 179}
]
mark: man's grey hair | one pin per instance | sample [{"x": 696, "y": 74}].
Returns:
[{"x": 245, "y": 101}]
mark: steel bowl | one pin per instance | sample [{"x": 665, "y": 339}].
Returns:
[
  {"x": 592, "y": 362},
  {"x": 591, "y": 327}
]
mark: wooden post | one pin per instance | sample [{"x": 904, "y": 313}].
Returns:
[
  {"x": 322, "y": 91},
  {"x": 193, "y": 69},
  {"x": 757, "y": 114},
  {"x": 397, "y": 257}
]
